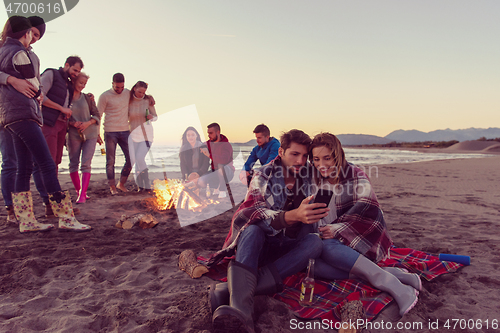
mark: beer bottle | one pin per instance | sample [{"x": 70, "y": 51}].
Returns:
[{"x": 307, "y": 289}]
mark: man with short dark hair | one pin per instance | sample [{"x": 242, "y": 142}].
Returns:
[
  {"x": 269, "y": 234},
  {"x": 58, "y": 91},
  {"x": 220, "y": 152},
  {"x": 265, "y": 151},
  {"x": 113, "y": 103}
]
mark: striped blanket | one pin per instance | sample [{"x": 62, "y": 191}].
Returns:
[{"x": 329, "y": 297}]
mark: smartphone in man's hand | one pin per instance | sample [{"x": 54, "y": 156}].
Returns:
[{"x": 323, "y": 196}]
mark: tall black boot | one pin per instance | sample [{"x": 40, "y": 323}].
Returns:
[{"x": 237, "y": 316}]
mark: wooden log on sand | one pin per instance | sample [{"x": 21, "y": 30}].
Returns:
[
  {"x": 189, "y": 264},
  {"x": 350, "y": 313}
]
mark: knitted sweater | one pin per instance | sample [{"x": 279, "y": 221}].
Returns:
[
  {"x": 115, "y": 109},
  {"x": 137, "y": 117}
]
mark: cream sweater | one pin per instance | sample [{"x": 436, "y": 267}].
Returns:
[
  {"x": 115, "y": 109},
  {"x": 137, "y": 117}
]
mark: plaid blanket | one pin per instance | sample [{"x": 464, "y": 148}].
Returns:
[
  {"x": 329, "y": 297},
  {"x": 359, "y": 220},
  {"x": 265, "y": 199}
]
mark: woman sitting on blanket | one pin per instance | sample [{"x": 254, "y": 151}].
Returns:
[{"x": 354, "y": 233}]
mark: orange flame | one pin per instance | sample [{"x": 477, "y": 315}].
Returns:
[{"x": 170, "y": 194}]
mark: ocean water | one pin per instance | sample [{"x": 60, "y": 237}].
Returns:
[{"x": 166, "y": 158}]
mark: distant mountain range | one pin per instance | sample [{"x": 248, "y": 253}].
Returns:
[
  {"x": 444, "y": 135},
  {"x": 414, "y": 136},
  {"x": 419, "y": 136}
]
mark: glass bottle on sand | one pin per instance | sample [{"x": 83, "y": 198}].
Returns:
[{"x": 307, "y": 289}]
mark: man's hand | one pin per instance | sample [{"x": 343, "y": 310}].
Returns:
[
  {"x": 307, "y": 213},
  {"x": 40, "y": 98},
  {"x": 23, "y": 86},
  {"x": 66, "y": 111},
  {"x": 99, "y": 139},
  {"x": 91, "y": 96},
  {"x": 152, "y": 101}
]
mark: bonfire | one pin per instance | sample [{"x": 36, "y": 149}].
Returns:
[{"x": 173, "y": 193}]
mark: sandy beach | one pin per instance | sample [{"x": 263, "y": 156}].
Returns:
[{"x": 114, "y": 280}]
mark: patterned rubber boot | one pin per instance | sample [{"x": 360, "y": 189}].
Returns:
[
  {"x": 23, "y": 208},
  {"x": 62, "y": 208}
]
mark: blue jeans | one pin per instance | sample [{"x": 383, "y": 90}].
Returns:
[
  {"x": 9, "y": 165},
  {"x": 336, "y": 260},
  {"x": 112, "y": 139},
  {"x": 290, "y": 256},
  {"x": 30, "y": 146},
  {"x": 38, "y": 179},
  {"x": 86, "y": 150}
]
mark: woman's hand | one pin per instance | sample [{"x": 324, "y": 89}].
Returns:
[
  {"x": 205, "y": 152},
  {"x": 76, "y": 124},
  {"x": 329, "y": 231},
  {"x": 83, "y": 126},
  {"x": 326, "y": 231}
]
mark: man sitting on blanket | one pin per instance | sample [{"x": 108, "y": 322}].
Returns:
[{"x": 266, "y": 232}]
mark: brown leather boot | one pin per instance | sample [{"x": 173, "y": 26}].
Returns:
[
  {"x": 11, "y": 216},
  {"x": 48, "y": 211}
]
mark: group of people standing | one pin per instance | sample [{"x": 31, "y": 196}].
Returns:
[{"x": 40, "y": 114}]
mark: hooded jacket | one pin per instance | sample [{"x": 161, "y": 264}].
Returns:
[{"x": 221, "y": 153}]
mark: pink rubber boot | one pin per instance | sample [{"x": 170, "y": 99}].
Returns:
[
  {"x": 82, "y": 197},
  {"x": 75, "y": 178}
]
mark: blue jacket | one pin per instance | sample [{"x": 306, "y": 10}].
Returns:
[
  {"x": 14, "y": 106},
  {"x": 264, "y": 154}
]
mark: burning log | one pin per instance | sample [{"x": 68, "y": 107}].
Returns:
[
  {"x": 172, "y": 193},
  {"x": 188, "y": 264}
]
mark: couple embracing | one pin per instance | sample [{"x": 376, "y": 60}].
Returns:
[{"x": 276, "y": 231}]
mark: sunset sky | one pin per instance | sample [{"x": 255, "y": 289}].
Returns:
[{"x": 352, "y": 66}]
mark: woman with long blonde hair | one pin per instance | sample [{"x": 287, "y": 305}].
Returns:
[{"x": 354, "y": 232}]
